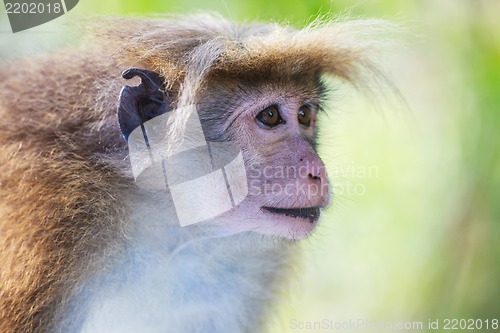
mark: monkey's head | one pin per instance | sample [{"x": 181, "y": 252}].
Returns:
[{"x": 257, "y": 88}]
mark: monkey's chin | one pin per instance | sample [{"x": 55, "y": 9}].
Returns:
[{"x": 292, "y": 223}]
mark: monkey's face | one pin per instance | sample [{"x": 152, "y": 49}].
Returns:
[{"x": 274, "y": 124}]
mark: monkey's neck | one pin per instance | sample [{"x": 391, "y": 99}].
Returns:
[{"x": 175, "y": 279}]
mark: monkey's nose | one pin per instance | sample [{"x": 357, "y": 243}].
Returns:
[
  {"x": 314, "y": 176},
  {"x": 319, "y": 187},
  {"x": 317, "y": 173},
  {"x": 315, "y": 170}
]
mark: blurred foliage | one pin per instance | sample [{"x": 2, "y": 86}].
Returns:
[
  {"x": 472, "y": 275},
  {"x": 421, "y": 238},
  {"x": 294, "y": 10}
]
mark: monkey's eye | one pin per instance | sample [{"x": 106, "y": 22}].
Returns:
[
  {"x": 304, "y": 115},
  {"x": 270, "y": 116}
]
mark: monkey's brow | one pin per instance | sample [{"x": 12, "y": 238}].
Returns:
[{"x": 314, "y": 102}]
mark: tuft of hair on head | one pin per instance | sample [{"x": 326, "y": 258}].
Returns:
[{"x": 189, "y": 49}]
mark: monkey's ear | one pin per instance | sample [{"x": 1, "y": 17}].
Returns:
[{"x": 143, "y": 102}]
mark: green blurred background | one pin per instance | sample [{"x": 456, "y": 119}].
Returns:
[{"x": 413, "y": 232}]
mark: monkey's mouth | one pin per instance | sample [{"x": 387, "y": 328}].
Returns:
[{"x": 310, "y": 213}]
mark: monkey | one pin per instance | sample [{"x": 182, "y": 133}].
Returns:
[{"x": 85, "y": 247}]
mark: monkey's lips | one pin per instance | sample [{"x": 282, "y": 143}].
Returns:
[{"x": 309, "y": 213}]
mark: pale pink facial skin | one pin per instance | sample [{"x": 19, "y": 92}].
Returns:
[{"x": 283, "y": 168}]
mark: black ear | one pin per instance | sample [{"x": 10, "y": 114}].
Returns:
[{"x": 143, "y": 102}]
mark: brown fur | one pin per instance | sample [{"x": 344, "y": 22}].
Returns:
[
  {"x": 61, "y": 199},
  {"x": 64, "y": 180}
]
